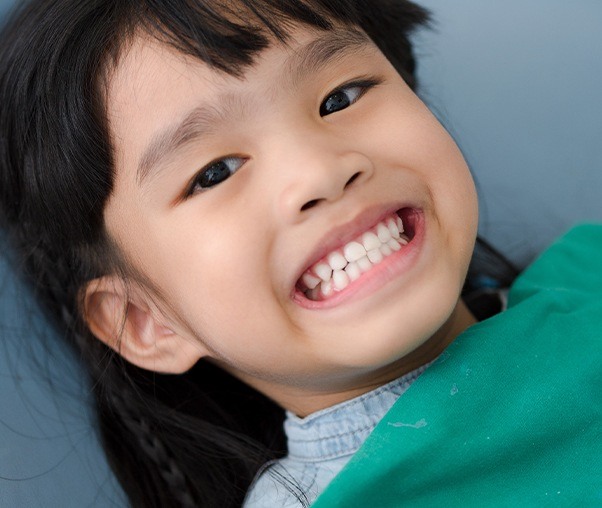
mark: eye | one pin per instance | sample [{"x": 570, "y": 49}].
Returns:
[
  {"x": 214, "y": 173},
  {"x": 345, "y": 96}
]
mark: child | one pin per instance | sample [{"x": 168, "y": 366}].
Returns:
[{"x": 239, "y": 191}]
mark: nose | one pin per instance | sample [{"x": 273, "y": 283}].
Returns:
[{"x": 318, "y": 171}]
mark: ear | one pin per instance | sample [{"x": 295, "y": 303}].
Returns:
[{"x": 126, "y": 319}]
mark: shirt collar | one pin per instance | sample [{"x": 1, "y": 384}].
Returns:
[{"x": 341, "y": 429}]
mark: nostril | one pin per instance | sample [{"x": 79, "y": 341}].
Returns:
[
  {"x": 352, "y": 179},
  {"x": 314, "y": 202},
  {"x": 309, "y": 204}
]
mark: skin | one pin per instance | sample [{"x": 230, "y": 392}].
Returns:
[{"x": 220, "y": 264}]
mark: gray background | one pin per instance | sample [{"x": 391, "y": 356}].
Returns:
[{"x": 516, "y": 82}]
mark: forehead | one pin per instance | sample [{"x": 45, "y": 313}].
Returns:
[
  {"x": 155, "y": 91},
  {"x": 303, "y": 49}
]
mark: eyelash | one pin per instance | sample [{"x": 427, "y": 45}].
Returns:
[
  {"x": 364, "y": 85},
  {"x": 196, "y": 186}
]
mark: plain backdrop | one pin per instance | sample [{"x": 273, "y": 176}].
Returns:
[{"x": 516, "y": 82}]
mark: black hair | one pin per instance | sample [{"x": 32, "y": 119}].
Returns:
[{"x": 196, "y": 439}]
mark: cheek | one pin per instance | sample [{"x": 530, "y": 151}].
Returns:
[
  {"x": 419, "y": 144},
  {"x": 411, "y": 139},
  {"x": 217, "y": 278},
  {"x": 213, "y": 262},
  {"x": 401, "y": 131}
]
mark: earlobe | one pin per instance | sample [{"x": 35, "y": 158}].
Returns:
[{"x": 126, "y": 320}]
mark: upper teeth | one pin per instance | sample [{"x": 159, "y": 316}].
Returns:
[{"x": 344, "y": 265}]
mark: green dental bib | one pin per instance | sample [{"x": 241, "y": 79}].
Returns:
[{"x": 510, "y": 414}]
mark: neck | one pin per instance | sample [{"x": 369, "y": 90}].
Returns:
[{"x": 302, "y": 403}]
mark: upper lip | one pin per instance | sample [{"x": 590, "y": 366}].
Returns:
[{"x": 342, "y": 234}]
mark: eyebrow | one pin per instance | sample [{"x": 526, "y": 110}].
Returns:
[
  {"x": 199, "y": 122},
  {"x": 329, "y": 46},
  {"x": 203, "y": 119}
]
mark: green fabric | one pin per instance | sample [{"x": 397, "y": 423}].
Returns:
[{"x": 509, "y": 415}]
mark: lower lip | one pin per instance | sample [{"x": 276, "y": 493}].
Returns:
[{"x": 386, "y": 271}]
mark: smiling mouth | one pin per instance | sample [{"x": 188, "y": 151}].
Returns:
[{"x": 342, "y": 267}]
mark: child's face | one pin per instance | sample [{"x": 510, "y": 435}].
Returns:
[{"x": 305, "y": 170}]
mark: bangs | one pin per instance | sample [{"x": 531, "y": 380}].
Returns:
[
  {"x": 227, "y": 34},
  {"x": 58, "y": 57}
]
